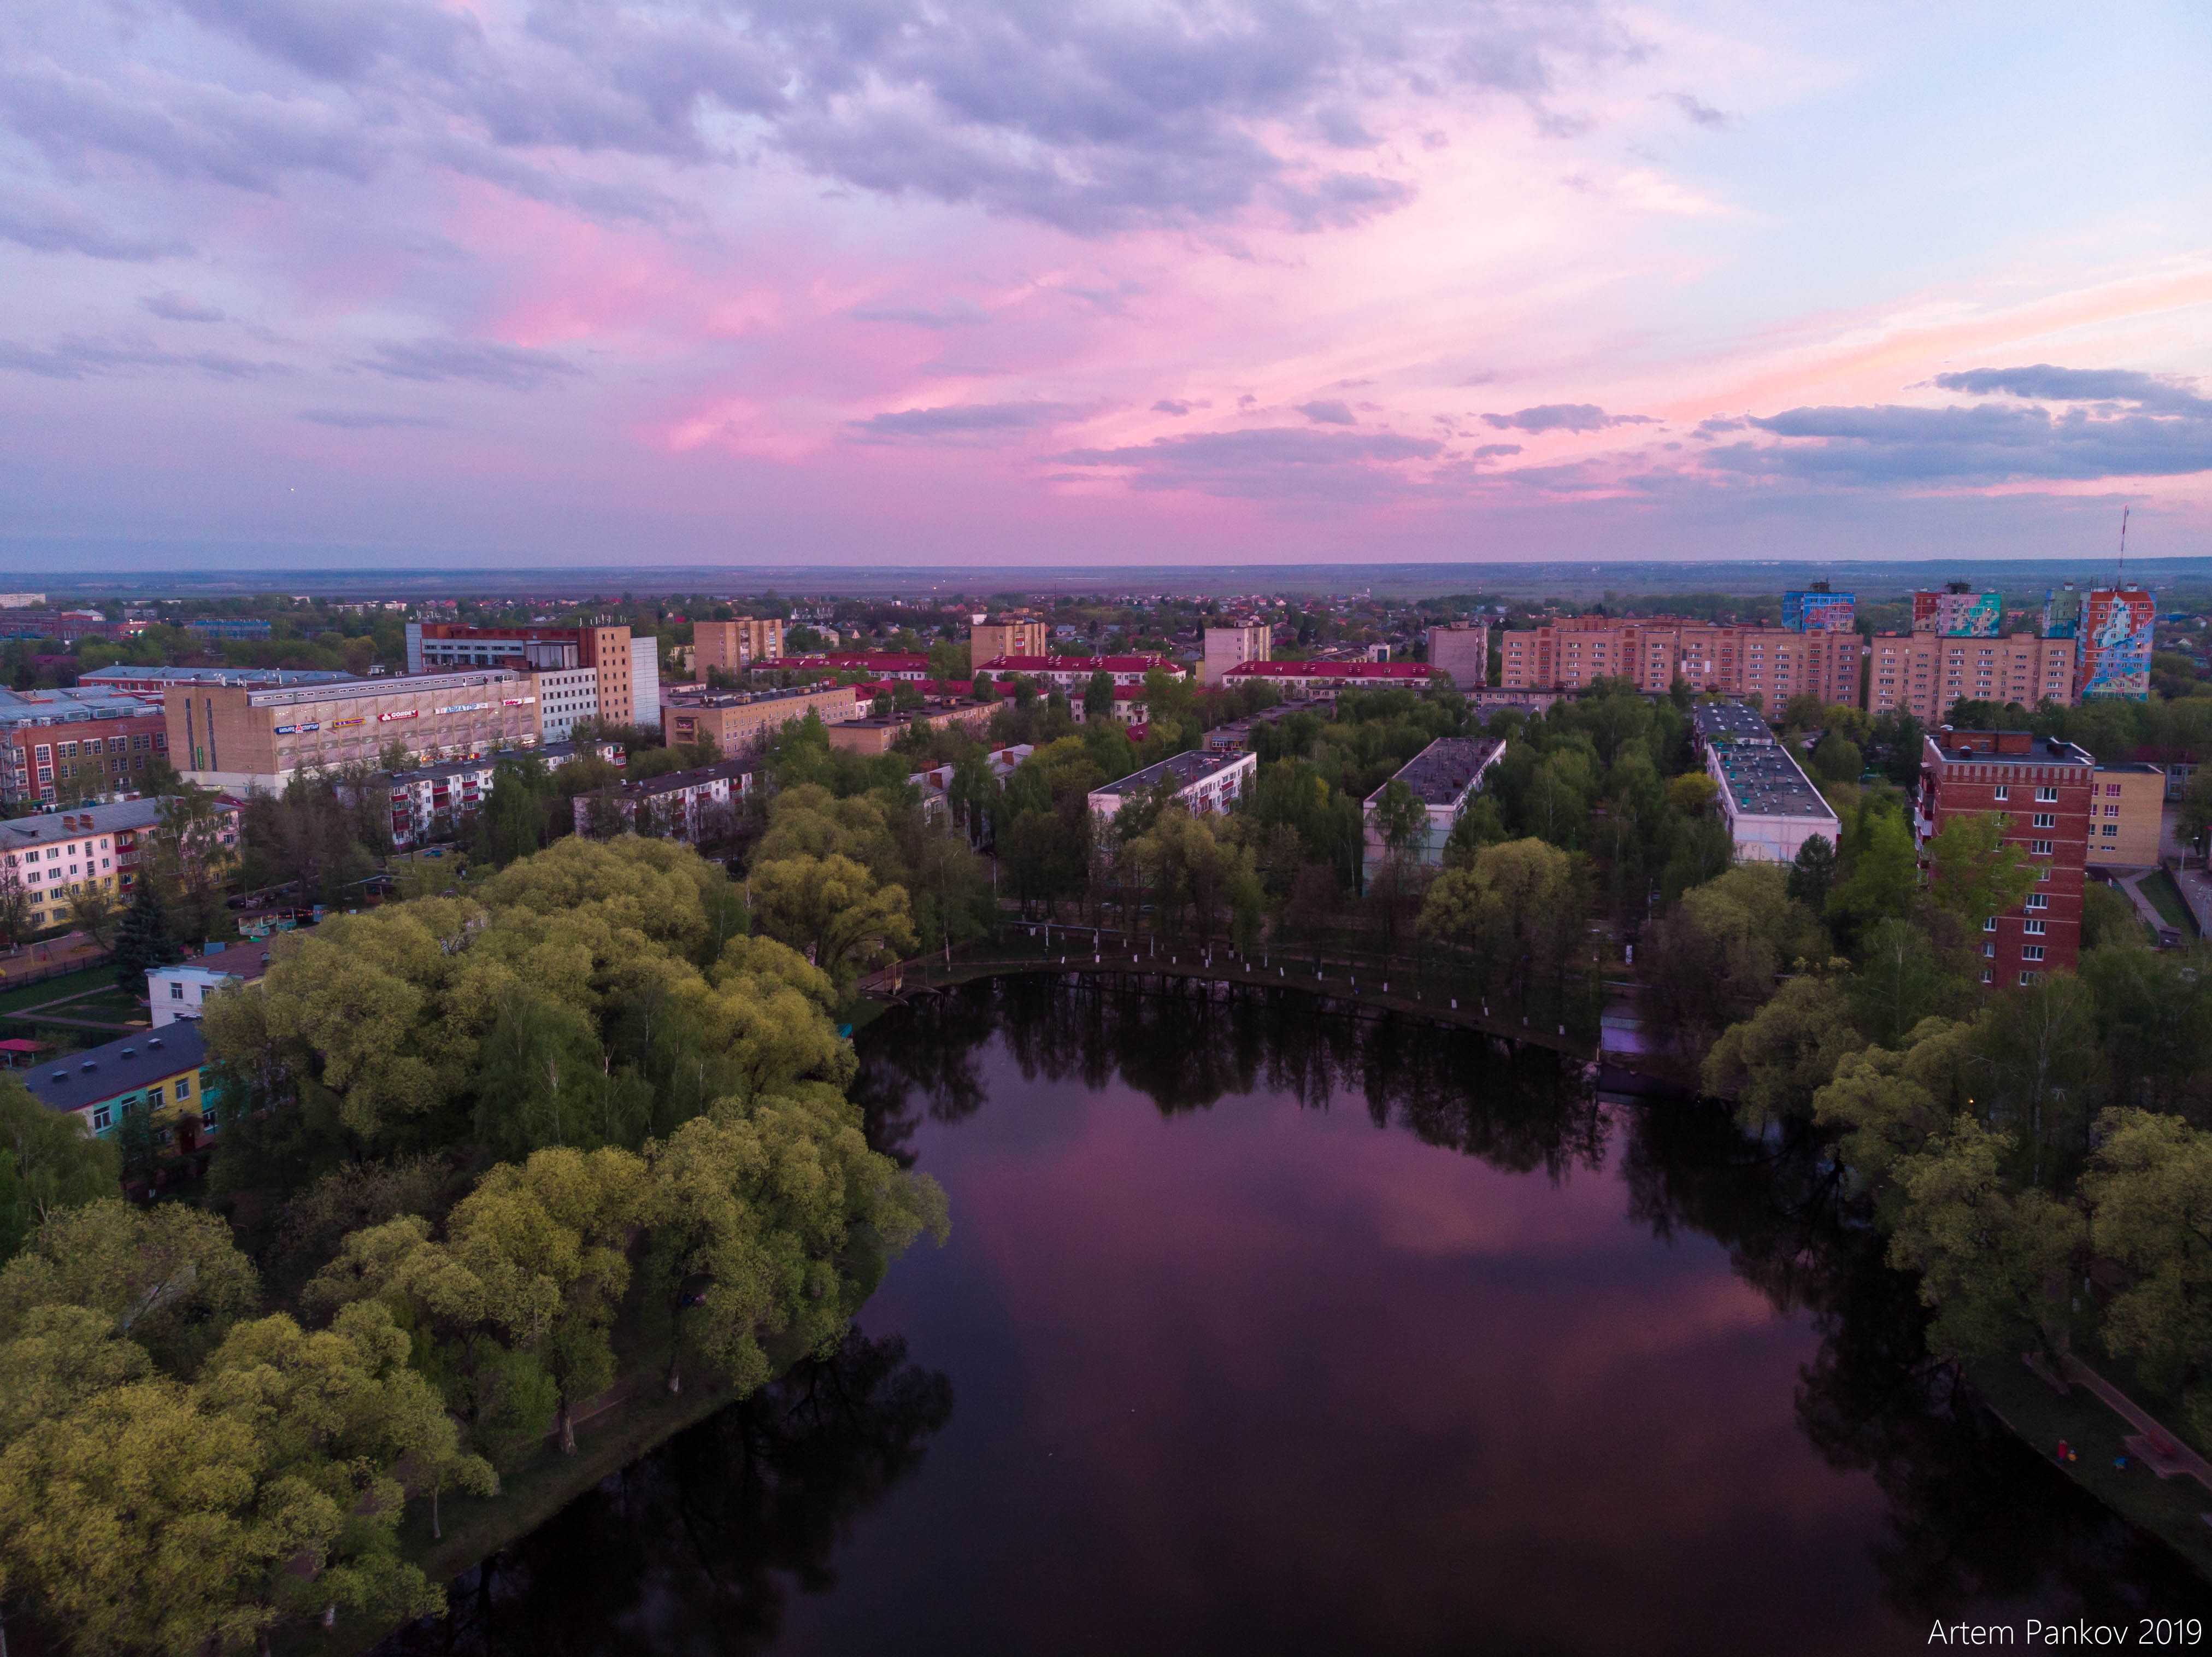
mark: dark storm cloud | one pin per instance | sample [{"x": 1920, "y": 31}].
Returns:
[
  {"x": 1563, "y": 416},
  {"x": 1091, "y": 119},
  {"x": 482, "y": 361},
  {"x": 78, "y": 357}
]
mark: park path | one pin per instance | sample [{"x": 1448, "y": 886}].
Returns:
[{"x": 2164, "y": 1452}]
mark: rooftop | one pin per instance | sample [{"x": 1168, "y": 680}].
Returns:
[
  {"x": 1766, "y": 783},
  {"x": 1416, "y": 672},
  {"x": 44, "y": 827},
  {"x": 2004, "y": 748},
  {"x": 269, "y": 676},
  {"x": 71, "y": 706},
  {"x": 2135, "y": 766},
  {"x": 87, "y": 1078},
  {"x": 1185, "y": 768},
  {"x": 1729, "y": 721},
  {"x": 1442, "y": 773},
  {"x": 679, "y": 697},
  {"x": 676, "y": 782},
  {"x": 400, "y": 685}
]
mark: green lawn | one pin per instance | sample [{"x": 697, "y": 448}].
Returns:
[
  {"x": 2165, "y": 897},
  {"x": 15, "y": 998}
]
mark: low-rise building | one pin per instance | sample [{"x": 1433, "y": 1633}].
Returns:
[
  {"x": 1072, "y": 675},
  {"x": 875, "y": 664},
  {"x": 678, "y": 801},
  {"x": 1327, "y": 680},
  {"x": 1444, "y": 777},
  {"x": 1715, "y": 723},
  {"x": 76, "y": 746},
  {"x": 1771, "y": 806},
  {"x": 735, "y": 719},
  {"x": 2127, "y": 809},
  {"x": 245, "y": 627},
  {"x": 237, "y": 738},
  {"x": 875, "y": 734},
  {"x": 428, "y": 800},
  {"x": 160, "y": 1072},
  {"x": 154, "y": 684},
  {"x": 181, "y": 991},
  {"x": 1201, "y": 782},
  {"x": 51, "y": 857}
]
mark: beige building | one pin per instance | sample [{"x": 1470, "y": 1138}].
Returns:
[
  {"x": 231, "y": 736},
  {"x": 1922, "y": 674},
  {"x": 1772, "y": 663},
  {"x": 1461, "y": 650},
  {"x": 872, "y": 735},
  {"x": 734, "y": 718},
  {"x": 1233, "y": 646},
  {"x": 989, "y": 640},
  {"x": 2126, "y": 806},
  {"x": 734, "y": 646}
]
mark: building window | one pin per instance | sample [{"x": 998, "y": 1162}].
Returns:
[
  {"x": 2039, "y": 848},
  {"x": 2034, "y": 928},
  {"x": 2112, "y": 791},
  {"x": 2112, "y": 829},
  {"x": 176, "y": 992},
  {"x": 2026, "y": 978},
  {"x": 2047, "y": 794},
  {"x": 2045, "y": 819},
  {"x": 2111, "y": 810},
  {"x": 2002, "y": 792},
  {"x": 2032, "y": 952},
  {"x": 2038, "y": 900},
  {"x": 207, "y": 1121},
  {"x": 184, "y": 1088},
  {"x": 1989, "y": 922},
  {"x": 2043, "y": 874},
  {"x": 100, "y": 1118}
]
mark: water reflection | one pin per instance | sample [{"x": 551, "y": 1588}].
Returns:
[{"x": 1256, "y": 1364}]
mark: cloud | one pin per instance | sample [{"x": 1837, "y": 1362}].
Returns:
[
  {"x": 1171, "y": 405},
  {"x": 1563, "y": 416},
  {"x": 366, "y": 419},
  {"x": 180, "y": 308},
  {"x": 78, "y": 357},
  {"x": 1271, "y": 462},
  {"x": 1328, "y": 413},
  {"x": 61, "y": 227},
  {"x": 341, "y": 39},
  {"x": 483, "y": 361},
  {"x": 1492, "y": 451},
  {"x": 959, "y": 313},
  {"x": 960, "y": 420},
  {"x": 2044, "y": 383},
  {"x": 1696, "y": 114}
]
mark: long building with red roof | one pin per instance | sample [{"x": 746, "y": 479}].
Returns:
[
  {"x": 1072, "y": 673},
  {"x": 1327, "y": 678}
]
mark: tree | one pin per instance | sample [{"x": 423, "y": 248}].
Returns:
[
  {"x": 48, "y": 1163},
  {"x": 831, "y": 910},
  {"x": 1099, "y": 695},
  {"x": 517, "y": 814},
  {"x": 1880, "y": 870},
  {"x": 92, "y": 911},
  {"x": 2149, "y": 1190},
  {"x": 1900, "y": 981},
  {"x": 1813, "y": 872},
  {"x": 1775, "y": 1061},
  {"x": 2196, "y": 808},
  {"x": 1975, "y": 872},
  {"x": 1838, "y": 759},
  {"x": 2042, "y": 1076},
  {"x": 1886, "y": 1105},
  {"x": 143, "y": 942}
]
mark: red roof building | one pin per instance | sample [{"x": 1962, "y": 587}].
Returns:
[
  {"x": 1327, "y": 678},
  {"x": 1072, "y": 673}
]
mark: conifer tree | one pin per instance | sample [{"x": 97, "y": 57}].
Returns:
[{"x": 144, "y": 940}]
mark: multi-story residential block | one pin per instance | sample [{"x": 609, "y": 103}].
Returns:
[
  {"x": 50, "y": 857},
  {"x": 1072, "y": 673},
  {"x": 1202, "y": 783},
  {"x": 1463, "y": 651},
  {"x": 678, "y": 800},
  {"x": 567, "y": 697},
  {"x": 733, "y": 646},
  {"x": 2117, "y": 624},
  {"x": 67, "y": 626},
  {"x": 154, "y": 684},
  {"x": 871, "y": 735},
  {"x": 1923, "y": 673},
  {"x": 645, "y": 681},
  {"x": 734, "y": 719},
  {"x": 1958, "y": 612},
  {"x": 1007, "y": 637},
  {"x": 2127, "y": 808},
  {"x": 438, "y": 646},
  {"x": 72, "y": 746},
  {"x": 1444, "y": 777},
  {"x": 1772, "y": 663},
  {"x": 2040, "y": 789},
  {"x": 1819, "y": 611},
  {"x": 430, "y": 800},
  {"x": 876, "y": 664},
  {"x": 160, "y": 1072},
  {"x": 1225, "y": 648},
  {"x": 1327, "y": 680},
  {"x": 229, "y": 627},
  {"x": 1769, "y": 805},
  {"x": 237, "y": 738}
]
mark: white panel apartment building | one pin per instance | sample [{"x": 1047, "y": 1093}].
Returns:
[{"x": 1205, "y": 782}]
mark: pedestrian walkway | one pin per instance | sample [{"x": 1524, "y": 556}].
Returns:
[{"x": 2162, "y": 1450}]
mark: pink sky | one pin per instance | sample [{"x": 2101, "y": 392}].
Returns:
[{"x": 322, "y": 280}]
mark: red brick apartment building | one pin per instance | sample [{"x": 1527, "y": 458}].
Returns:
[{"x": 2044, "y": 787}]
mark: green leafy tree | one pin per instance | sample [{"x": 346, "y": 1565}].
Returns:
[
  {"x": 1813, "y": 872},
  {"x": 2149, "y": 1190},
  {"x": 1774, "y": 1063},
  {"x": 1885, "y": 1105},
  {"x": 1099, "y": 695},
  {"x": 1975, "y": 872},
  {"x": 1881, "y": 873},
  {"x": 48, "y": 1163},
  {"x": 832, "y": 911},
  {"x": 1901, "y": 980}
]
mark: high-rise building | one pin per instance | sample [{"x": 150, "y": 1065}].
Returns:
[
  {"x": 1923, "y": 672},
  {"x": 1461, "y": 650},
  {"x": 1958, "y": 612},
  {"x": 445, "y": 646},
  {"x": 2041, "y": 789},
  {"x": 645, "y": 681},
  {"x": 2062, "y": 613},
  {"x": 2116, "y": 639},
  {"x": 1770, "y": 662},
  {"x": 734, "y": 646},
  {"x": 1819, "y": 611},
  {"x": 1007, "y": 637},
  {"x": 1229, "y": 646}
]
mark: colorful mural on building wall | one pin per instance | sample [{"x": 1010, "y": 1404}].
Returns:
[
  {"x": 2062, "y": 613},
  {"x": 1819, "y": 613},
  {"x": 2116, "y": 639},
  {"x": 1959, "y": 615}
]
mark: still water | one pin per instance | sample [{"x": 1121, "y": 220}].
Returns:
[{"x": 1261, "y": 1330}]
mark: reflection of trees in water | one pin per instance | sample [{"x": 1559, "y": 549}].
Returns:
[
  {"x": 696, "y": 1547},
  {"x": 1973, "y": 1512}
]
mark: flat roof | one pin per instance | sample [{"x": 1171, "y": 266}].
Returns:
[
  {"x": 2135, "y": 766},
  {"x": 1765, "y": 782},
  {"x": 272, "y": 676},
  {"x": 1729, "y": 721},
  {"x": 78, "y": 1079},
  {"x": 2024, "y": 750},
  {"x": 1444, "y": 770},
  {"x": 678, "y": 697},
  {"x": 392, "y": 685},
  {"x": 1194, "y": 766}
]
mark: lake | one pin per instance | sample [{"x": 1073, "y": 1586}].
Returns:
[{"x": 1269, "y": 1329}]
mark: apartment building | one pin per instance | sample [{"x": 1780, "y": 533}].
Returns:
[
  {"x": 1770, "y": 807},
  {"x": 871, "y": 735},
  {"x": 1819, "y": 611},
  {"x": 1463, "y": 651},
  {"x": 2041, "y": 789},
  {"x": 1202, "y": 783},
  {"x": 237, "y": 738},
  {"x": 1072, "y": 673},
  {"x": 1327, "y": 680},
  {"x": 2127, "y": 808},
  {"x": 736, "y": 718},
  {"x": 430, "y": 798},
  {"x": 2117, "y": 625},
  {"x": 645, "y": 681},
  {"x": 1772, "y": 663},
  {"x": 1923, "y": 673},
  {"x": 731, "y": 647},
  {"x": 1958, "y": 612},
  {"x": 438, "y": 646},
  {"x": 876, "y": 664},
  {"x": 1444, "y": 777},
  {"x": 678, "y": 801},
  {"x": 565, "y": 697},
  {"x": 65, "y": 747},
  {"x": 50, "y": 857},
  {"x": 1226, "y": 648},
  {"x": 1007, "y": 637}
]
